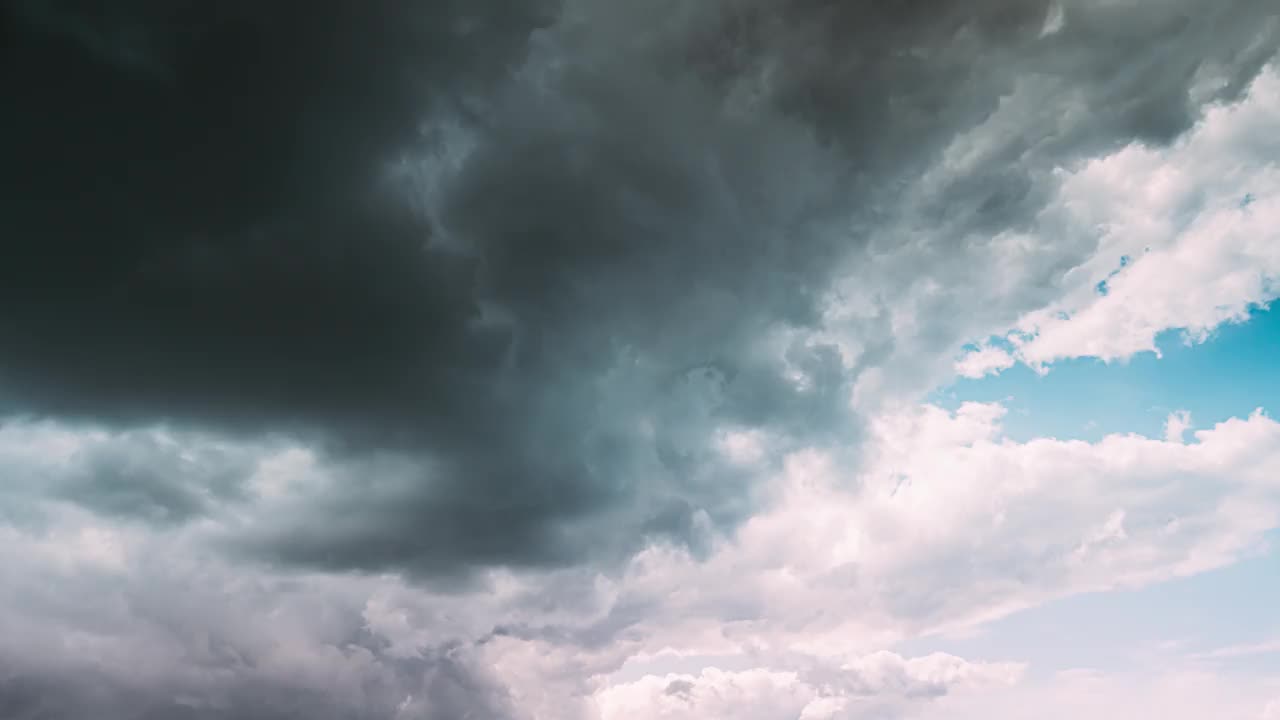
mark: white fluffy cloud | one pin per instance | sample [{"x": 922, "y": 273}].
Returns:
[
  {"x": 985, "y": 360},
  {"x": 1186, "y": 239},
  {"x": 881, "y": 685},
  {"x": 948, "y": 526}
]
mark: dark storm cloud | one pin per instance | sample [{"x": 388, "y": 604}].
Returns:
[
  {"x": 214, "y": 246},
  {"x": 618, "y": 212}
]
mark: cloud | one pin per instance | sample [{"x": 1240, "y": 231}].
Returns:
[
  {"x": 455, "y": 359},
  {"x": 1187, "y": 241},
  {"x": 952, "y": 525},
  {"x": 946, "y": 525},
  {"x": 883, "y": 685},
  {"x": 102, "y": 619},
  {"x": 1175, "y": 693},
  {"x": 1237, "y": 651},
  {"x": 148, "y": 626},
  {"x": 984, "y": 361},
  {"x": 522, "y": 265},
  {"x": 157, "y": 475},
  {"x": 1176, "y": 426}
]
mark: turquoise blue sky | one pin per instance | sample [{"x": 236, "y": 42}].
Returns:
[{"x": 1235, "y": 371}]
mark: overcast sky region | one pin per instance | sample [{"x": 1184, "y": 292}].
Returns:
[{"x": 640, "y": 360}]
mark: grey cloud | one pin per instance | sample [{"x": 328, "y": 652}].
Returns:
[
  {"x": 508, "y": 269},
  {"x": 625, "y": 216},
  {"x": 168, "y": 634},
  {"x": 155, "y": 476},
  {"x": 138, "y": 476},
  {"x": 292, "y": 299},
  {"x": 444, "y": 691}
]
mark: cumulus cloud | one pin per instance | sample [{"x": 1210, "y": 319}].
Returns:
[
  {"x": 1187, "y": 241},
  {"x": 1176, "y": 426},
  {"x": 952, "y": 525},
  {"x": 883, "y": 685},
  {"x": 444, "y": 359},
  {"x": 985, "y": 360}
]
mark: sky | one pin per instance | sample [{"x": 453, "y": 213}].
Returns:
[{"x": 640, "y": 360}]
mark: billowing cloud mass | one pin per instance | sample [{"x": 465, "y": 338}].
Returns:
[
  {"x": 566, "y": 358},
  {"x": 880, "y": 684}
]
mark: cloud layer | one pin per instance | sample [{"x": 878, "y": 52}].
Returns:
[
  {"x": 949, "y": 525},
  {"x": 468, "y": 359}
]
